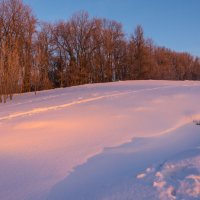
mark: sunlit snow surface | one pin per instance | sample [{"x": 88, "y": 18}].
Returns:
[{"x": 124, "y": 140}]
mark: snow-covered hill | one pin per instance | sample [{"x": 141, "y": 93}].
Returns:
[{"x": 124, "y": 140}]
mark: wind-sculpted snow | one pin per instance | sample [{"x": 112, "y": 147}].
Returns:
[
  {"x": 106, "y": 141},
  {"x": 171, "y": 164}
]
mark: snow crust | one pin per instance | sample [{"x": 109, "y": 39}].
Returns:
[{"x": 123, "y": 140}]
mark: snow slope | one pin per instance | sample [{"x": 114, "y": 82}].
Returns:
[
  {"x": 146, "y": 168},
  {"x": 124, "y": 140}
]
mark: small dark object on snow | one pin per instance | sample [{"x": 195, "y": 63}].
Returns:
[{"x": 197, "y": 122}]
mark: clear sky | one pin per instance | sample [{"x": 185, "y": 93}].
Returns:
[{"x": 170, "y": 23}]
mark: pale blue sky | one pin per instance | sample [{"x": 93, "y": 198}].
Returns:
[{"x": 171, "y": 23}]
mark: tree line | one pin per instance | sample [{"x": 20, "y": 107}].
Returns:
[{"x": 37, "y": 55}]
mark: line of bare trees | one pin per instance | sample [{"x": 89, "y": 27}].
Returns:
[{"x": 37, "y": 56}]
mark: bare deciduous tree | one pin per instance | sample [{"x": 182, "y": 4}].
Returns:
[{"x": 78, "y": 51}]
